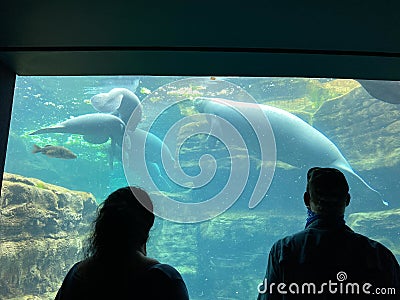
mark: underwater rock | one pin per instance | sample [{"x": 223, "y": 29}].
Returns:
[
  {"x": 41, "y": 232},
  {"x": 365, "y": 129},
  {"x": 236, "y": 241},
  {"x": 169, "y": 246},
  {"x": 382, "y": 226},
  {"x": 216, "y": 254}
]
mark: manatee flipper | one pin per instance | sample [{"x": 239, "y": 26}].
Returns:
[{"x": 96, "y": 139}]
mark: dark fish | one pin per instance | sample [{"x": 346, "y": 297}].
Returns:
[{"x": 54, "y": 151}]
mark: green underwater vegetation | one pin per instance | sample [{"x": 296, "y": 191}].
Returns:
[
  {"x": 41, "y": 185},
  {"x": 190, "y": 92},
  {"x": 145, "y": 91},
  {"x": 315, "y": 94}
]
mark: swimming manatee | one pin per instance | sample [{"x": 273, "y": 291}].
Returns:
[
  {"x": 297, "y": 142},
  {"x": 143, "y": 153},
  {"x": 388, "y": 91},
  {"x": 96, "y": 128},
  {"x": 120, "y": 101}
]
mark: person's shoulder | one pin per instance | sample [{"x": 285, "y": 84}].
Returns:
[
  {"x": 377, "y": 251},
  {"x": 291, "y": 238},
  {"x": 163, "y": 281},
  {"x": 75, "y": 269},
  {"x": 167, "y": 270},
  {"x": 373, "y": 244},
  {"x": 285, "y": 243}
]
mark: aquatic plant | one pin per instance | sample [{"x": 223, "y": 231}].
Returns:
[
  {"x": 41, "y": 185},
  {"x": 315, "y": 95},
  {"x": 318, "y": 92},
  {"x": 187, "y": 110},
  {"x": 190, "y": 92},
  {"x": 145, "y": 91}
]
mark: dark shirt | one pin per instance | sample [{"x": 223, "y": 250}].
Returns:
[
  {"x": 158, "y": 281},
  {"x": 327, "y": 252}
]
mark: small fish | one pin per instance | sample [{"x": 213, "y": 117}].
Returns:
[{"x": 54, "y": 151}]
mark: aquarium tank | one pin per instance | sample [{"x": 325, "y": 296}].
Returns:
[{"x": 223, "y": 158}]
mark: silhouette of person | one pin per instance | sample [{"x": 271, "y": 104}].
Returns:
[
  {"x": 116, "y": 265},
  {"x": 328, "y": 260}
]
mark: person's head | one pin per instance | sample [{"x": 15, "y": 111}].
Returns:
[
  {"x": 122, "y": 224},
  {"x": 327, "y": 191}
]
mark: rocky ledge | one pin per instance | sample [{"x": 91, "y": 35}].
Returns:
[{"x": 41, "y": 232}]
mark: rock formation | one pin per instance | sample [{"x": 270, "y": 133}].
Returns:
[{"x": 41, "y": 231}]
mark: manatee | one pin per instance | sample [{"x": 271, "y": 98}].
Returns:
[
  {"x": 388, "y": 91},
  {"x": 297, "y": 142},
  {"x": 96, "y": 128},
  {"x": 119, "y": 101},
  {"x": 142, "y": 152}
]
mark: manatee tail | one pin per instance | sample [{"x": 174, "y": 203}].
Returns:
[
  {"x": 58, "y": 129},
  {"x": 349, "y": 170}
]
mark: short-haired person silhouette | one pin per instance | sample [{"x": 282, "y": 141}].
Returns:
[
  {"x": 116, "y": 265},
  {"x": 327, "y": 254}
]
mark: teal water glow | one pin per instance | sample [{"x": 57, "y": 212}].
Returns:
[{"x": 224, "y": 257}]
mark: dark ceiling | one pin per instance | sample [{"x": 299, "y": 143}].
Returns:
[{"x": 348, "y": 39}]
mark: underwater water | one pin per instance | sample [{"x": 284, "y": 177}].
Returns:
[{"x": 224, "y": 160}]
